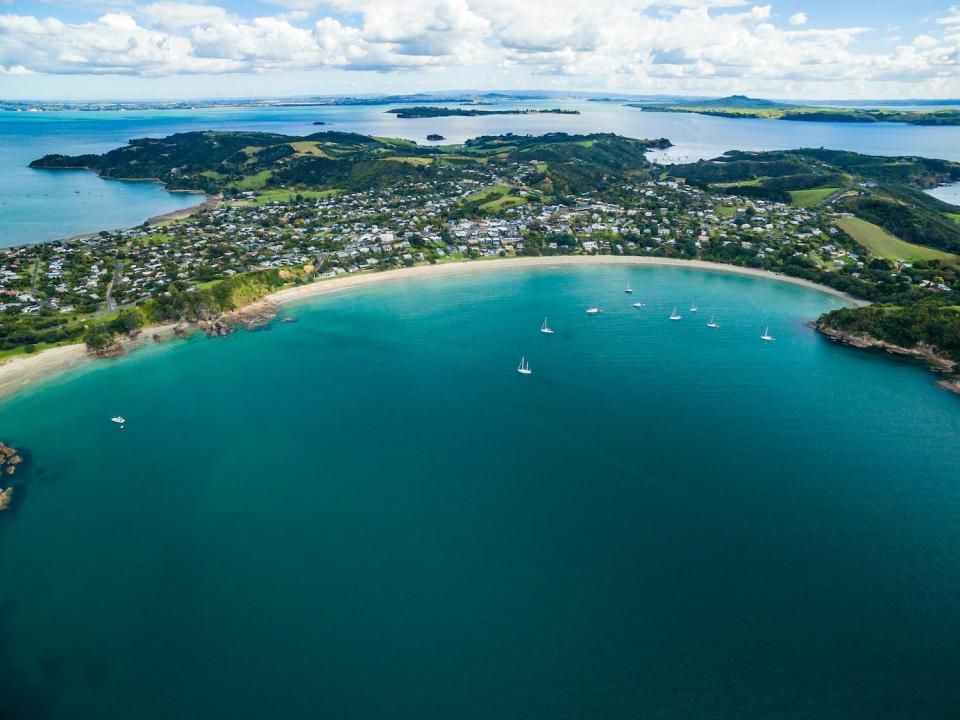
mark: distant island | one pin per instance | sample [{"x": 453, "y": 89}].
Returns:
[
  {"x": 434, "y": 137},
  {"x": 435, "y": 112},
  {"x": 740, "y": 106},
  {"x": 319, "y": 122}
]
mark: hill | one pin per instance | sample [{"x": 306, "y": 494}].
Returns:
[
  {"x": 233, "y": 162},
  {"x": 886, "y": 191}
]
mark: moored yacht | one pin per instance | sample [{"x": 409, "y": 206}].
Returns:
[
  {"x": 545, "y": 329},
  {"x": 713, "y": 323},
  {"x": 638, "y": 304},
  {"x": 524, "y": 367},
  {"x": 693, "y": 307},
  {"x": 674, "y": 315},
  {"x": 767, "y": 337},
  {"x": 119, "y": 420},
  {"x": 628, "y": 290},
  {"x": 593, "y": 311}
]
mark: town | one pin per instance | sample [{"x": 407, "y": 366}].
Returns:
[{"x": 51, "y": 292}]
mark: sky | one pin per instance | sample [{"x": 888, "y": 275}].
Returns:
[{"x": 146, "y": 49}]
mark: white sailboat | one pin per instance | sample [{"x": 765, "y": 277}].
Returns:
[
  {"x": 693, "y": 307},
  {"x": 628, "y": 290},
  {"x": 674, "y": 315},
  {"x": 524, "y": 367},
  {"x": 544, "y": 329},
  {"x": 713, "y": 323},
  {"x": 767, "y": 337},
  {"x": 638, "y": 304},
  {"x": 593, "y": 311}
]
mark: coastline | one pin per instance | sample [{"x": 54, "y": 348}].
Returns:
[{"x": 25, "y": 371}]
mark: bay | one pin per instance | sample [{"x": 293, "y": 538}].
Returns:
[{"x": 369, "y": 513}]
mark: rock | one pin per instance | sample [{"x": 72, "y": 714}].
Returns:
[
  {"x": 921, "y": 351},
  {"x": 289, "y": 319},
  {"x": 112, "y": 351},
  {"x": 15, "y": 460},
  {"x": 951, "y": 384},
  {"x": 5, "y": 497},
  {"x": 157, "y": 338},
  {"x": 11, "y": 469},
  {"x": 179, "y": 332}
]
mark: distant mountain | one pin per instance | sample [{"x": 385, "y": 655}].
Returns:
[{"x": 742, "y": 102}]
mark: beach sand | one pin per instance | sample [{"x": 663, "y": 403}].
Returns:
[{"x": 26, "y": 371}]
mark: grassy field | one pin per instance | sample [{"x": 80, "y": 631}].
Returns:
[
  {"x": 502, "y": 203},
  {"x": 881, "y": 243},
  {"x": 308, "y": 147},
  {"x": 253, "y": 182},
  {"x": 809, "y": 198},
  {"x": 954, "y": 216},
  {"x": 273, "y": 195},
  {"x": 412, "y": 160}
]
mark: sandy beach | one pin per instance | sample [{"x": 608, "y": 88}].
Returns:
[{"x": 25, "y": 371}]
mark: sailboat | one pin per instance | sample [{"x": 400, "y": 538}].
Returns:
[
  {"x": 544, "y": 329},
  {"x": 524, "y": 367},
  {"x": 712, "y": 323},
  {"x": 593, "y": 311},
  {"x": 766, "y": 335},
  {"x": 628, "y": 290},
  {"x": 638, "y": 304},
  {"x": 693, "y": 307},
  {"x": 674, "y": 315}
]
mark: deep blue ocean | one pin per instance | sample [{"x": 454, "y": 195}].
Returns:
[
  {"x": 370, "y": 514},
  {"x": 40, "y": 205}
]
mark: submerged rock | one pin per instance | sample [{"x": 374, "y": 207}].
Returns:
[{"x": 6, "y": 496}]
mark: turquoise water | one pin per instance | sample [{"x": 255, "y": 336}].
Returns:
[
  {"x": 370, "y": 514},
  {"x": 39, "y": 205}
]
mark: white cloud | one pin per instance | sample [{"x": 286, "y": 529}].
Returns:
[{"x": 693, "y": 45}]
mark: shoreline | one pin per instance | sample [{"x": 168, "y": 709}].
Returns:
[{"x": 25, "y": 371}]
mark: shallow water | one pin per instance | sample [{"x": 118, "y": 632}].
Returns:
[{"x": 369, "y": 513}]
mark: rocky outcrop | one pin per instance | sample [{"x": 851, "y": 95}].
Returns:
[
  {"x": 921, "y": 351},
  {"x": 111, "y": 351},
  {"x": 951, "y": 384},
  {"x": 6, "y": 496},
  {"x": 9, "y": 459}
]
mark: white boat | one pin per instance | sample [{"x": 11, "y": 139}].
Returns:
[
  {"x": 593, "y": 310},
  {"x": 524, "y": 367},
  {"x": 628, "y": 290},
  {"x": 713, "y": 323},
  {"x": 767, "y": 337},
  {"x": 674, "y": 315},
  {"x": 638, "y": 304},
  {"x": 544, "y": 329},
  {"x": 118, "y": 420},
  {"x": 693, "y": 307}
]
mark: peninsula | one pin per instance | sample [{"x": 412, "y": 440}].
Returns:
[
  {"x": 740, "y": 106},
  {"x": 297, "y": 210},
  {"x": 435, "y": 112}
]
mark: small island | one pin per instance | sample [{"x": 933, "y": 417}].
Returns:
[
  {"x": 435, "y": 112},
  {"x": 741, "y": 106},
  {"x": 319, "y": 122},
  {"x": 435, "y": 137}
]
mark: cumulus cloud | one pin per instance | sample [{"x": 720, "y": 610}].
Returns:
[{"x": 644, "y": 44}]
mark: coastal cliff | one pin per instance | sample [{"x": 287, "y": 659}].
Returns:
[{"x": 922, "y": 351}]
